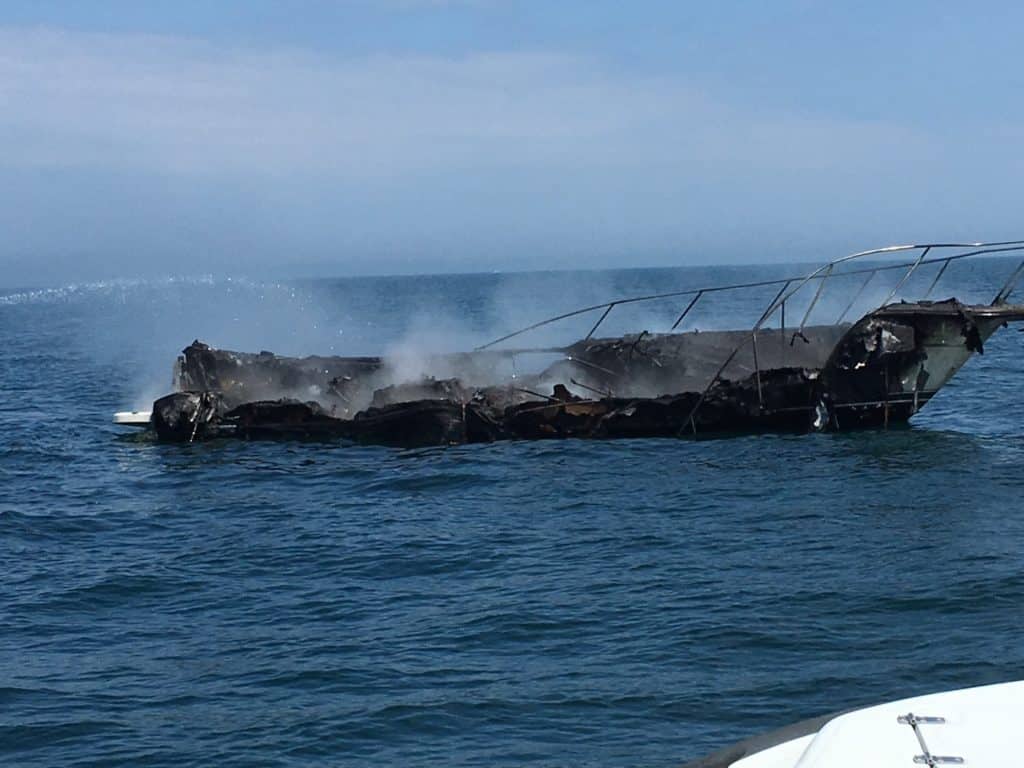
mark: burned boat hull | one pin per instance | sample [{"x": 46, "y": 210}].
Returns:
[
  {"x": 876, "y": 372},
  {"x": 882, "y": 370},
  {"x": 893, "y": 361}
]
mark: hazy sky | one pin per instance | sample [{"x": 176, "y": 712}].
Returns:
[{"x": 378, "y": 136}]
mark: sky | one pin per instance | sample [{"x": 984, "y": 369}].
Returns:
[{"x": 350, "y": 137}]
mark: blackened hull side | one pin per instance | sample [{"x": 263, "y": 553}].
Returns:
[
  {"x": 877, "y": 372},
  {"x": 650, "y": 365},
  {"x": 639, "y": 365},
  {"x": 894, "y": 360}
]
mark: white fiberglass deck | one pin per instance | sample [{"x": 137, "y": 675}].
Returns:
[{"x": 977, "y": 729}]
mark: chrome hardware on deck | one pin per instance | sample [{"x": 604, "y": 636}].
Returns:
[{"x": 927, "y": 758}]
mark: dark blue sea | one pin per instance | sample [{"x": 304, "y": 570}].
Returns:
[{"x": 633, "y": 603}]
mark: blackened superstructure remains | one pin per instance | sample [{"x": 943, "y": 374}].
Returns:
[{"x": 872, "y": 372}]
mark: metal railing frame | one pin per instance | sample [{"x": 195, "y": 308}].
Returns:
[
  {"x": 790, "y": 286},
  {"x": 802, "y": 280}
]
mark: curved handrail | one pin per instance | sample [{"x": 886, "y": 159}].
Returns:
[
  {"x": 826, "y": 271},
  {"x": 983, "y": 248},
  {"x": 821, "y": 273},
  {"x": 790, "y": 287}
]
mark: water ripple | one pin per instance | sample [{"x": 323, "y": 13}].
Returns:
[{"x": 556, "y": 603}]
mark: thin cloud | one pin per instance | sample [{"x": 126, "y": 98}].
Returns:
[
  {"x": 135, "y": 152},
  {"x": 180, "y": 106}
]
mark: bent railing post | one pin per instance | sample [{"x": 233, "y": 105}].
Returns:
[
  {"x": 782, "y": 331},
  {"x": 757, "y": 371},
  {"x": 906, "y": 277},
  {"x": 936, "y": 280},
  {"x": 856, "y": 296},
  {"x": 686, "y": 311},
  {"x": 773, "y": 304},
  {"x": 690, "y": 419},
  {"x": 600, "y": 320},
  {"x": 814, "y": 301},
  {"x": 771, "y": 308},
  {"x": 1009, "y": 285}
]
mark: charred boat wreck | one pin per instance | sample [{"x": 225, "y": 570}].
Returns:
[{"x": 874, "y": 372}]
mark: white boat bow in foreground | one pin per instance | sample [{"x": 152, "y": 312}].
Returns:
[{"x": 972, "y": 727}]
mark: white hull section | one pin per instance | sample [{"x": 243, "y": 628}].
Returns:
[
  {"x": 132, "y": 418},
  {"x": 974, "y": 727}
]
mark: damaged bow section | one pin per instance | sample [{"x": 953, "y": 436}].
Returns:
[{"x": 874, "y": 372}]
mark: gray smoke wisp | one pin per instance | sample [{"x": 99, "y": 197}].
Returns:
[{"x": 424, "y": 337}]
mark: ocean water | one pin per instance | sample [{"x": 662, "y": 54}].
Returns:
[{"x": 633, "y": 603}]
